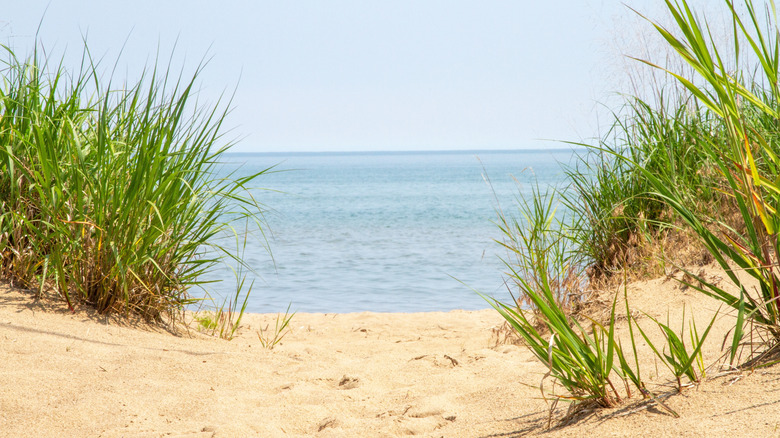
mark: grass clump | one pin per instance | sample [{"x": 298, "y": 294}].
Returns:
[
  {"x": 581, "y": 359},
  {"x": 704, "y": 168},
  {"x": 540, "y": 255},
  {"x": 702, "y": 165},
  {"x": 623, "y": 227},
  {"x": 745, "y": 156},
  {"x": 679, "y": 359},
  {"x": 108, "y": 194},
  {"x": 269, "y": 338}
]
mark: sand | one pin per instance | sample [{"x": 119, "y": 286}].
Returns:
[{"x": 362, "y": 375}]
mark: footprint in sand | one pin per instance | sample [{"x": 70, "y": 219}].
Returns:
[
  {"x": 326, "y": 423},
  {"x": 206, "y": 432},
  {"x": 443, "y": 361},
  {"x": 348, "y": 382},
  {"x": 422, "y": 417}
]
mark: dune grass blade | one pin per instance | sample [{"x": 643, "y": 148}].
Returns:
[
  {"x": 632, "y": 373},
  {"x": 226, "y": 317}
]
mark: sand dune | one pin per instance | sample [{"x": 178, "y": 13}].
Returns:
[{"x": 364, "y": 374}]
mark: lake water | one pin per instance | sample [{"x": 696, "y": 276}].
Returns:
[{"x": 384, "y": 232}]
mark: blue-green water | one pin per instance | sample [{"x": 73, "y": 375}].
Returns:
[{"x": 385, "y": 232}]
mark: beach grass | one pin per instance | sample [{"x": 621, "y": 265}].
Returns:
[
  {"x": 270, "y": 337},
  {"x": 697, "y": 161},
  {"x": 580, "y": 358},
  {"x": 109, "y": 189},
  {"x": 622, "y": 225},
  {"x": 677, "y": 356},
  {"x": 745, "y": 155},
  {"x": 708, "y": 169}
]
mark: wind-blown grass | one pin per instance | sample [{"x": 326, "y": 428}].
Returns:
[
  {"x": 109, "y": 195},
  {"x": 705, "y": 165},
  {"x": 746, "y": 157}
]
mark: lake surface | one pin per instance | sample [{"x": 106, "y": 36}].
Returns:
[{"x": 383, "y": 232}]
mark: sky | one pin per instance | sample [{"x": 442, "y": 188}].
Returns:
[{"x": 363, "y": 75}]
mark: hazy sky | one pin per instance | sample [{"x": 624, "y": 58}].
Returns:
[{"x": 364, "y": 75}]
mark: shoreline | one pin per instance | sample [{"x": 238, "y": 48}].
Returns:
[{"x": 354, "y": 374}]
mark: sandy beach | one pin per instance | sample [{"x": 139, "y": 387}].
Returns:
[{"x": 361, "y": 374}]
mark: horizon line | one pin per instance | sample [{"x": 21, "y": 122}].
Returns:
[{"x": 415, "y": 151}]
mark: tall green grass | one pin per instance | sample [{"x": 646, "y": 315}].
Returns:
[
  {"x": 705, "y": 164},
  {"x": 108, "y": 192},
  {"x": 701, "y": 164},
  {"x": 746, "y": 157}
]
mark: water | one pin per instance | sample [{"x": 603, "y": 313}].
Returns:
[{"x": 384, "y": 232}]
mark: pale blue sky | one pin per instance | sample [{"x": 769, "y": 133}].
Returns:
[{"x": 365, "y": 75}]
